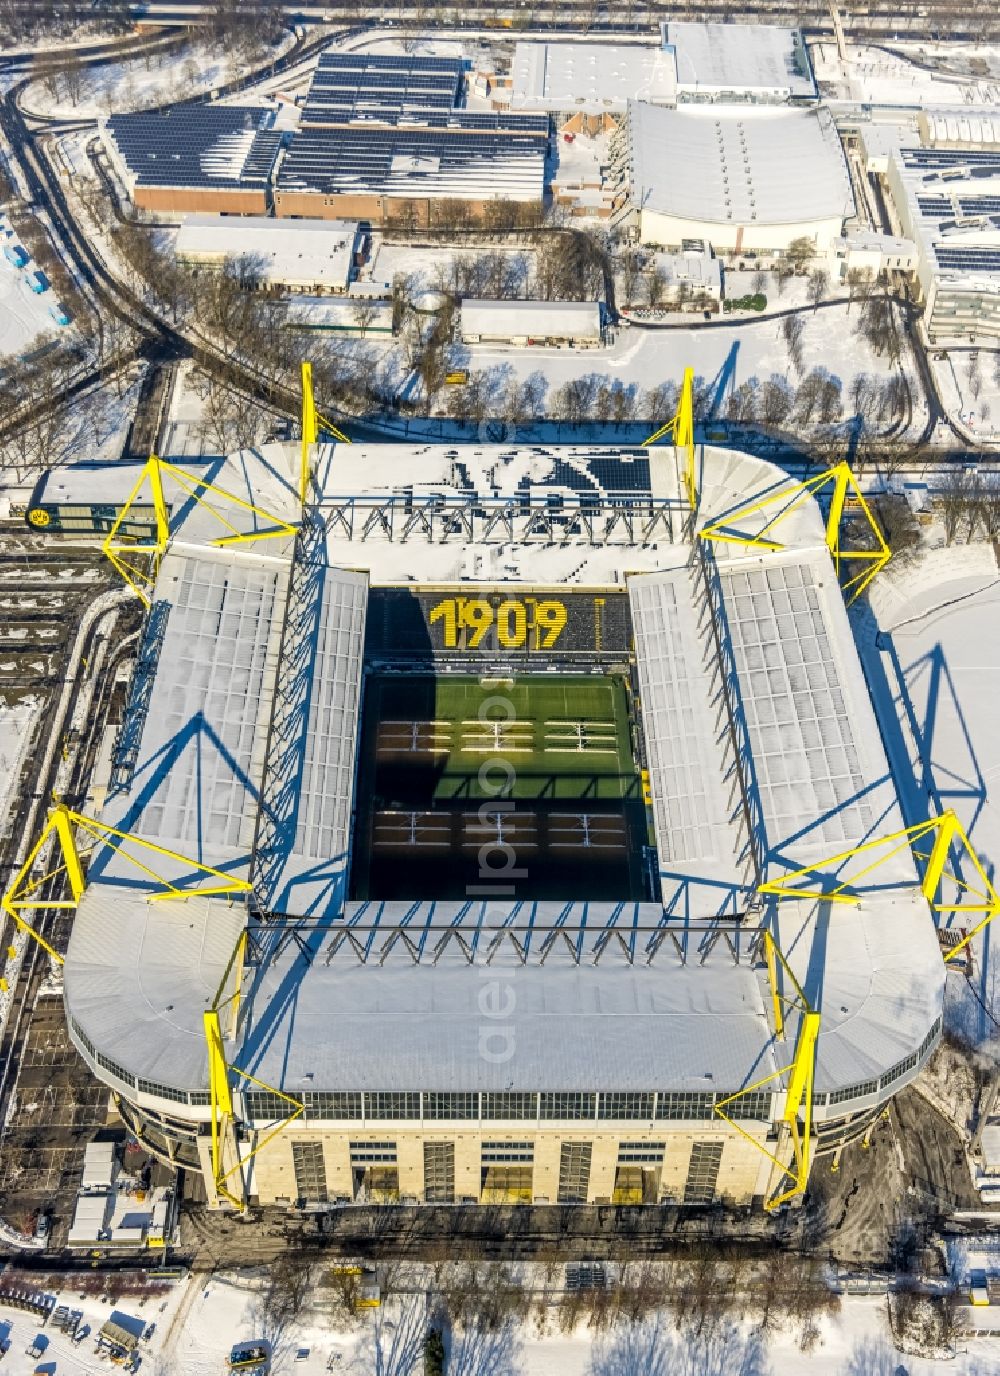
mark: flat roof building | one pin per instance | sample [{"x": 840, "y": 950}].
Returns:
[
  {"x": 305, "y": 255},
  {"x": 382, "y": 174},
  {"x": 531, "y": 322},
  {"x": 590, "y": 78},
  {"x": 756, "y": 64},
  {"x": 947, "y": 201},
  {"x": 363, "y": 87},
  {"x": 195, "y": 157},
  {"x": 744, "y": 181}
]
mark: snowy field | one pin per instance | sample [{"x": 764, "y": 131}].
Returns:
[
  {"x": 203, "y": 1316},
  {"x": 24, "y": 315}
]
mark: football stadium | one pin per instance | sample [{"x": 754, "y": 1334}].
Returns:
[{"x": 495, "y": 823}]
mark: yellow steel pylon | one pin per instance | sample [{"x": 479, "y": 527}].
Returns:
[
  {"x": 947, "y": 832},
  {"x": 66, "y": 825},
  {"x": 843, "y": 484},
  {"x": 312, "y": 423},
  {"x": 220, "y": 1095},
  {"x": 797, "y": 1114},
  {"x": 121, "y": 550},
  {"x": 681, "y": 427}
]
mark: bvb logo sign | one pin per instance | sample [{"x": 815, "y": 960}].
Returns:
[{"x": 38, "y": 517}]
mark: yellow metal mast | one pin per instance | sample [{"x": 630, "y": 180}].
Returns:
[
  {"x": 122, "y": 550},
  {"x": 312, "y": 423},
  {"x": 67, "y": 825},
  {"x": 681, "y": 427},
  {"x": 797, "y": 1113},
  {"x": 843, "y": 486},
  {"x": 946, "y": 830}
]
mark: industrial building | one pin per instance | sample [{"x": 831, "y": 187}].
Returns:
[
  {"x": 302, "y": 255},
  {"x": 323, "y": 962},
  {"x": 744, "y": 181},
  {"x": 215, "y": 158},
  {"x": 576, "y": 323},
  {"x": 695, "y": 63},
  {"x": 592, "y": 79},
  {"x": 404, "y": 173},
  {"x": 737, "y": 64},
  {"x": 349, "y": 88},
  {"x": 946, "y": 198},
  {"x": 381, "y": 138}
]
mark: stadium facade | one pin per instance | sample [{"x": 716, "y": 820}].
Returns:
[{"x": 523, "y": 1038}]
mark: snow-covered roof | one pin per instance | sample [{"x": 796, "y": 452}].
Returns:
[
  {"x": 377, "y": 996},
  {"x": 547, "y": 319},
  {"x": 732, "y": 165},
  {"x": 591, "y": 78},
  {"x": 971, "y": 127},
  {"x": 754, "y": 60},
  {"x": 310, "y": 252}
]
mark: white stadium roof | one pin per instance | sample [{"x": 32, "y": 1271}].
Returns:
[
  {"x": 728, "y": 165},
  {"x": 384, "y": 996}
]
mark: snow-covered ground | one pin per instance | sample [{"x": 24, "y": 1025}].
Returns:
[
  {"x": 197, "y": 1324},
  {"x": 969, "y": 386},
  {"x": 140, "y": 83},
  {"x": 938, "y": 661},
  {"x": 24, "y": 315},
  {"x": 873, "y": 74}
]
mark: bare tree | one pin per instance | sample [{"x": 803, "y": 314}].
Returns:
[{"x": 818, "y": 286}]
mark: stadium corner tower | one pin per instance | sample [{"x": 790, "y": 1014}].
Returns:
[{"x": 487, "y": 797}]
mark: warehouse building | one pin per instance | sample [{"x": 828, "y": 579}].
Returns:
[
  {"x": 550, "y": 1045},
  {"x": 590, "y": 79},
  {"x": 947, "y": 201},
  {"x": 744, "y": 181},
  {"x": 351, "y": 88},
  {"x": 399, "y": 174},
  {"x": 216, "y": 158},
  {"x": 738, "y": 64},
  {"x": 302, "y": 255},
  {"x": 574, "y": 323}
]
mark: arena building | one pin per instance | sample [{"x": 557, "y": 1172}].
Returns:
[
  {"x": 450, "y": 825},
  {"x": 745, "y": 181}
]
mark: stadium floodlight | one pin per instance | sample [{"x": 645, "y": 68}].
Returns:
[{"x": 121, "y": 550}]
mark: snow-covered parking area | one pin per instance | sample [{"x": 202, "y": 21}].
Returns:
[
  {"x": 201, "y": 1318},
  {"x": 24, "y": 314}
]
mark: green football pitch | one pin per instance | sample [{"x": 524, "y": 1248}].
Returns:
[{"x": 438, "y": 751}]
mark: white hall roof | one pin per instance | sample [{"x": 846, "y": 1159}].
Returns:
[{"x": 590, "y": 78}]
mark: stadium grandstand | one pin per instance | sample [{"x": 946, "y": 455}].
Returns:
[{"x": 485, "y": 828}]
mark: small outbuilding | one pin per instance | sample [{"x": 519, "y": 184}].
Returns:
[{"x": 576, "y": 324}]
